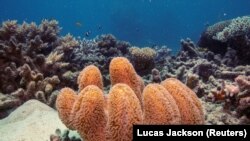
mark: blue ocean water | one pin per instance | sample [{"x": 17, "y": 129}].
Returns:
[{"x": 141, "y": 22}]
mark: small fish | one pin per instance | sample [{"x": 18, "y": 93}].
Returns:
[
  {"x": 87, "y": 33},
  {"x": 78, "y": 24}
]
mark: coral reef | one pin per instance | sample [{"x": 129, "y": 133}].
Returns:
[
  {"x": 210, "y": 75},
  {"x": 38, "y": 61},
  {"x": 119, "y": 85},
  {"x": 99, "y": 52}
]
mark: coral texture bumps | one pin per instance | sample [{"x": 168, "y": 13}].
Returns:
[{"x": 111, "y": 117}]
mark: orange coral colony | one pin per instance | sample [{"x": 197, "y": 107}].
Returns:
[{"x": 111, "y": 118}]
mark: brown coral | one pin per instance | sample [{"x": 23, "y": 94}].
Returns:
[
  {"x": 143, "y": 58},
  {"x": 124, "y": 111},
  {"x": 33, "y": 60},
  {"x": 122, "y": 71},
  {"x": 159, "y": 106},
  {"x": 189, "y": 105},
  {"x": 90, "y": 75}
]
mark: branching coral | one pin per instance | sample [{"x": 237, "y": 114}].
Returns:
[
  {"x": 106, "y": 41},
  {"x": 68, "y": 42},
  {"x": 32, "y": 60},
  {"x": 189, "y": 47}
]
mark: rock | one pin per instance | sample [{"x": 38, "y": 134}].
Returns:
[{"x": 31, "y": 121}]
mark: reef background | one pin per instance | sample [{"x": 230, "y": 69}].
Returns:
[
  {"x": 140, "y": 22},
  {"x": 36, "y": 62}
]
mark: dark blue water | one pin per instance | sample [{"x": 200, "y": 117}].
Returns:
[{"x": 141, "y": 22}]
